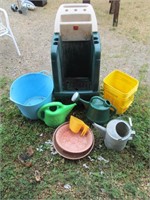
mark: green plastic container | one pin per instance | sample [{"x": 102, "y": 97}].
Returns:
[
  {"x": 54, "y": 113},
  {"x": 76, "y": 66}
]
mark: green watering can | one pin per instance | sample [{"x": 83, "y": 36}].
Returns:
[
  {"x": 98, "y": 110},
  {"x": 54, "y": 113}
]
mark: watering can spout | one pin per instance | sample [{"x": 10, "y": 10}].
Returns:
[
  {"x": 76, "y": 97},
  {"x": 101, "y": 129},
  {"x": 68, "y": 108},
  {"x": 85, "y": 103}
]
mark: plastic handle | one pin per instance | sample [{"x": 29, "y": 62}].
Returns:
[
  {"x": 97, "y": 97},
  {"x": 85, "y": 129},
  {"x": 46, "y": 109},
  {"x": 58, "y": 104},
  {"x": 130, "y": 122},
  {"x": 45, "y": 72}
]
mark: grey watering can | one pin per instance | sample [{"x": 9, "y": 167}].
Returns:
[
  {"x": 98, "y": 110},
  {"x": 116, "y": 134}
]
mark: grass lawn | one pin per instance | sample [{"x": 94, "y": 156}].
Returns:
[
  {"x": 122, "y": 175},
  {"x": 119, "y": 175}
]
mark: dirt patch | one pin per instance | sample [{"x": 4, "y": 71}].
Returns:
[{"x": 125, "y": 47}]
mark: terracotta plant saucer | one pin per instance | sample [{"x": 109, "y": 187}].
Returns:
[
  {"x": 71, "y": 156},
  {"x": 73, "y": 142}
]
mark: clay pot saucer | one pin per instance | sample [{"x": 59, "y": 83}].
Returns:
[
  {"x": 71, "y": 156},
  {"x": 73, "y": 142}
]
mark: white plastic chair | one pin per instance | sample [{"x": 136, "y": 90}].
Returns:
[{"x": 5, "y": 28}]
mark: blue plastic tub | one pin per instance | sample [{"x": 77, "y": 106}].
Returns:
[{"x": 31, "y": 91}]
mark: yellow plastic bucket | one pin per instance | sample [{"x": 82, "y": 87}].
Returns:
[
  {"x": 117, "y": 101},
  {"x": 120, "y": 84}
]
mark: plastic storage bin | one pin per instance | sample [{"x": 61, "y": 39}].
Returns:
[
  {"x": 119, "y": 89},
  {"x": 120, "y": 104},
  {"x": 75, "y": 52},
  {"x": 121, "y": 110},
  {"x": 115, "y": 100},
  {"x": 120, "y": 84}
]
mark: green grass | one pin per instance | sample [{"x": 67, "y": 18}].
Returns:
[{"x": 125, "y": 176}]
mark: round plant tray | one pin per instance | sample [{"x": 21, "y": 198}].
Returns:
[
  {"x": 73, "y": 142},
  {"x": 71, "y": 156}
]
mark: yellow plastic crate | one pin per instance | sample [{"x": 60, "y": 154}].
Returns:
[
  {"x": 117, "y": 101},
  {"x": 120, "y": 84},
  {"x": 120, "y": 104},
  {"x": 121, "y": 110}
]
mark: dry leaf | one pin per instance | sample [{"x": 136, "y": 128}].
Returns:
[
  {"x": 30, "y": 151},
  {"x": 37, "y": 176}
]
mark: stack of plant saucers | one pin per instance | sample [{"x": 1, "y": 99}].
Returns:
[{"x": 71, "y": 145}]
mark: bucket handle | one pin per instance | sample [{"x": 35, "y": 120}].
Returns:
[{"x": 45, "y": 72}]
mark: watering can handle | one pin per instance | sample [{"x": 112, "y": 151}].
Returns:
[
  {"x": 46, "y": 108},
  {"x": 56, "y": 103},
  {"x": 97, "y": 97},
  {"x": 113, "y": 111}
]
